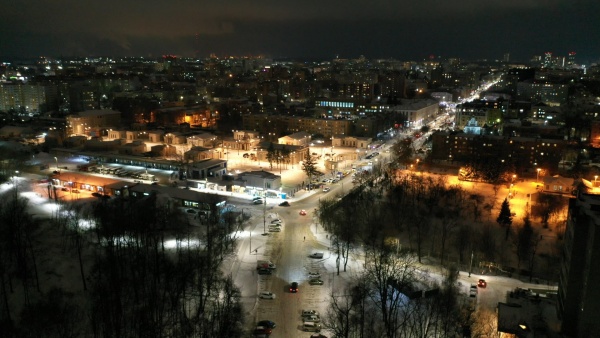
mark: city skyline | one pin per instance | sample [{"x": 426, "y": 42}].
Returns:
[{"x": 411, "y": 31}]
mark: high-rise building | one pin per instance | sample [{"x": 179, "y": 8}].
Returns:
[
  {"x": 29, "y": 98},
  {"x": 547, "y": 59},
  {"x": 506, "y": 57},
  {"x": 578, "y": 291}
]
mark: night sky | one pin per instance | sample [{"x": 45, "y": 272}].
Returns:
[{"x": 406, "y": 30}]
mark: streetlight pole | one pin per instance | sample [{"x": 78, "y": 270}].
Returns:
[
  {"x": 56, "y": 160},
  {"x": 537, "y": 176},
  {"x": 265, "y": 216}
]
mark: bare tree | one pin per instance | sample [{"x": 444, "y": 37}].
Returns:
[{"x": 484, "y": 324}]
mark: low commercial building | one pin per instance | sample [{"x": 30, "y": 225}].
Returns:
[
  {"x": 261, "y": 183},
  {"x": 93, "y": 123}
]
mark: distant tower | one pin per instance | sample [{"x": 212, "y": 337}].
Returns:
[
  {"x": 506, "y": 57},
  {"x": 571, "y": 59}
]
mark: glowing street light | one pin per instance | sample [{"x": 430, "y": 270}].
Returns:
[
  {"x": 595, "y": 179},
  {"x": 537, "y": 177}
]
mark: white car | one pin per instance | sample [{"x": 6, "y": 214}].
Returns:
[
  {"x": 266, "y": 295},
  {"x": 312, "y": 318},
  {"x": 276, "y": 221},
  {"x": 473, "y": 291},
  {"x": 314, "y": 275},
  {"x": 310, "y": 313},
  {"x": 274, "y": 229},
  {"x": 326, "y": 189}
]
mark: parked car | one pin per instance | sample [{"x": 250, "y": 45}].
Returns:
[
  {"x": 314, "y": 275},
  {"x": 258, "y": 201},
  {"x": 284, "y": 204},
  {"x": 326, "y": 189},
  {"x": 316, "y": 255},
  {"x": 303, "y": 212},
  {"x": 266, "y": 323},
  {"x": 315, "y": 282},
  {"x": 263, "y": 271},
  {"x": 309, "y": 312},
  {"x": 190, "y": 211},
  {"x": 312, "y": 318},
  {"x": 276, "y": 221},
  {"x": 317, "y": 335},
  {"x": 274, "y": 229},
  {"x": 311, "y": 326},
  {"x": 473, "y": 291},
  {"x": 266, "y": 295},
  {"x": 294, "y": 287},
  {"x": 96, "y": 194}
]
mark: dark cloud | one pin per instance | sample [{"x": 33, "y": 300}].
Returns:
[{"x": 377, "y": 28}]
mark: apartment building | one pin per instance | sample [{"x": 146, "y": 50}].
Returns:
[{"x": 578, "y": 291}]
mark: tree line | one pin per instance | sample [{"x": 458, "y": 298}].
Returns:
[{"x": 131, "y": 282}]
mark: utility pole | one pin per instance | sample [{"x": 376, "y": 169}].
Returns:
[{"x": 471, "y": 264}]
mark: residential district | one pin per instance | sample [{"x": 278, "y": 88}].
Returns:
[{"x": 481, "y": 176}]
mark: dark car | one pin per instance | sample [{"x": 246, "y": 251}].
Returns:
[
  {"x": 96, "y": 194},
  {"x": 294, "y": 287},
  {"x": 284, "y": 204},
  {"x": 266, "y": 323},
  {"x": 262, "y": 330},
  {"x": 315, "y": 282},
  {"x": 482, "y": 283},
  {"x": 65, "y": 189},
  {"x": 264, "y": 271},
  {"x": 190, "y": 211}
]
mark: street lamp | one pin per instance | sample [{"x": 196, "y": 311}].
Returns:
[
  {"x": 56, "y": 160},
  {"x": 537, "y": 177},
  {"x": 16, "y": 181},
  {"x": 595, "y": 179}
]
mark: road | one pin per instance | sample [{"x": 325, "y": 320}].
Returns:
[{"x": 290, "y": 250}]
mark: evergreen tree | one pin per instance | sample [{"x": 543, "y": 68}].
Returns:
[
  {"x": 505, "y": 216},
  {"x": 524, "y": 240},
  {"x": 309, "y": 166}
]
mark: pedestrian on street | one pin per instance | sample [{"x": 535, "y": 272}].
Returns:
[{"x": 305, "y": 238}]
